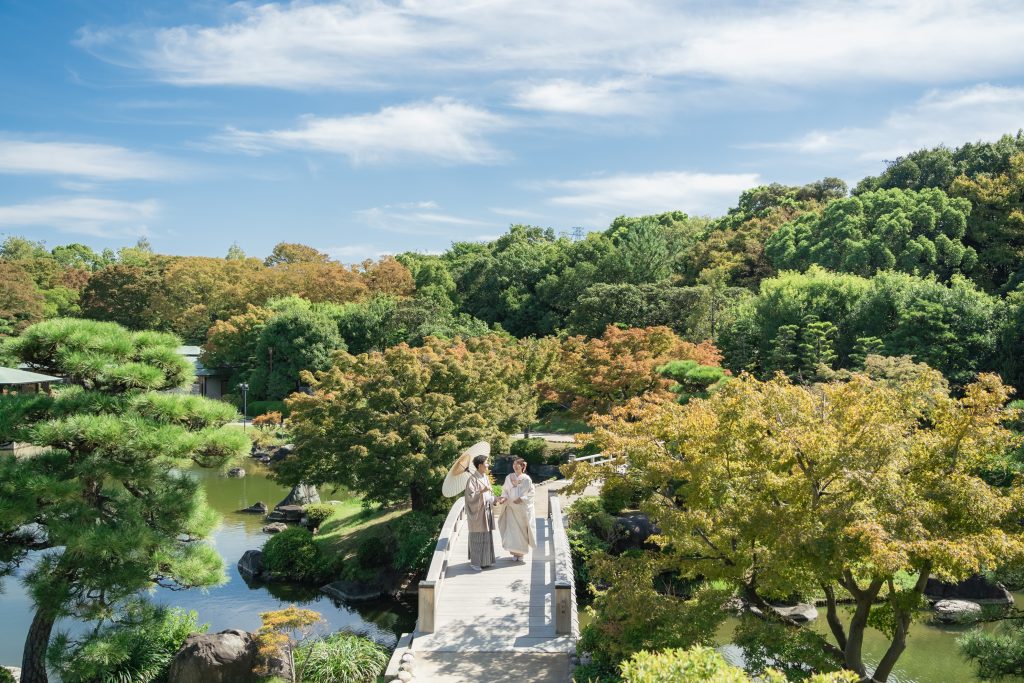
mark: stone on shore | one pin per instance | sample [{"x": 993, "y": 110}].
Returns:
[
  {"x": 251, "y": 565},
  {"x": 301, "y": 494},
  {"x": 275, "y": 528},
  {"x": 286, "y": 513},
  {"x": 225, "y": 657},
  {"x": 957, "y": 611}
]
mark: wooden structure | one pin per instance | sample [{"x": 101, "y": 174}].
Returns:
[{"x": 471, "y": 622}]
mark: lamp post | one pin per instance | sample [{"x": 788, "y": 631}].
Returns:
[{"x": 244, "y": 387}]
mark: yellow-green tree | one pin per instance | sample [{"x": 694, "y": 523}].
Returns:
[
  {"x": 704, "y": 665},
  {"x": 389, "y": 424},
  {"x": 837, "y": 490}
]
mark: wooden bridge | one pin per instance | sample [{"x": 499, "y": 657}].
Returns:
[{"x": 511, "y": 621}]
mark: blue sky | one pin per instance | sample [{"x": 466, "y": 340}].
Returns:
[{"x": 369, "y": 127}]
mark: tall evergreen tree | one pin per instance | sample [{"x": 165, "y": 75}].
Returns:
[{"x": 107, "y": 500}]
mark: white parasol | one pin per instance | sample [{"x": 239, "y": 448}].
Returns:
[{"x": 458, "y": 476}]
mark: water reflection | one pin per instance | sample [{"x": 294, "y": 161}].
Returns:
[{"x": 233, "y": 604}]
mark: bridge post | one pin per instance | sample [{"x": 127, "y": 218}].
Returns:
[
  {"x": 565, "y": 591},
  {"x": 430, "y": 587}
]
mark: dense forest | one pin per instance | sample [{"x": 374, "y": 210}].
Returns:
[{"x": 922, "y": 260}]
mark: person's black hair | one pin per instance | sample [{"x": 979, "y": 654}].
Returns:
[{"x": 478, "y": 460}]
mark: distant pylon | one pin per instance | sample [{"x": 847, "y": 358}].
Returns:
[{"x": 577, "y": 233}]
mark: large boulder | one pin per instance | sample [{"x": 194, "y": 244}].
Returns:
[
  {"x": 301, "y": 494},
  {"x": 976, "y": 589},
  {"x": 282, "y": 452},
  {"x": 286, "y": 513},
  {"x": 251, "y": 565},
  {"x": 800, "y": 612},
  {"x": 632, "y": 531},
  {"x": 257, "y": 508},
  {"x": 225, "y": 657},
  {"x": 957, "y": 611}
]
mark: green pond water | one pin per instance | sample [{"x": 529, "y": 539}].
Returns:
[
  {"x": 233, "y": 604},
  {"x": 931, "y": 655}
]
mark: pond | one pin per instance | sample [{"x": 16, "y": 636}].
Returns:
[
  {"x": 232, "y": 604},
  {"x": 931, "y": 655}
]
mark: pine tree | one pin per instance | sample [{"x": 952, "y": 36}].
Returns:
[{"x": 107, "y": 497}]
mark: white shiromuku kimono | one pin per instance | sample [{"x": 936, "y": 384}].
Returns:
[
  {"x": 516, "y": 522},
  {"x": 480, "y": 520}
]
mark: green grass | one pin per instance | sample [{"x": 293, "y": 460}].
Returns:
[{"x": 340, "y": 534}]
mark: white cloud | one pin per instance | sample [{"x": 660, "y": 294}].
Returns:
[
  {"x": 355, "y": 253},
  {"x": 634, "y": 194},
  {"x": 415, "y": 218},
  {"x": 604, "y": 98},
  {"x": 83, "y": 215},
  {"x": 379, "y": 43},
  {"x": 441, "y": 130},
  {"x": 97, "y": 162},
  {"x": 980, "y": 112}
]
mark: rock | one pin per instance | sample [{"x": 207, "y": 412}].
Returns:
[
  {"x": 286, "y": 513},
  {"x": 225, "y": 657},
  {"x": 957, "y": 611},
  {"x": 633, "y": 529},
  {"x": 408, "y": 657},
  {"x": 282, "y": 452},
  {"x": 351, "y": 591},
  {"x": 265, "y": 459},
  {"x": 545, "y": 472},
  {"x": 236, "y": 473},
  {"x": 258, "y": 508},
  {"x": 977, "y": 589},
  {"x": 404, "y": 676},
  {"x": 800, "y": 613},
  {"x": 251, "y": 565},
  {"x": 301, "y": 494},
  {"x": 275, "y": 528}
]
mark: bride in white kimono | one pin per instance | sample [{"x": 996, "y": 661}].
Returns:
[{"x": 516, "y": 523}]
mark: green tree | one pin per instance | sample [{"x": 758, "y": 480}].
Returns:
[
  {"x": 817, "y": 352},
  {"x": 918, "y": 232},
  {"x": 289, "y": 252},
  {"x": 290, "y": 342},
  {"x": 235, "y": 253},
  {"x": 693, "y": 380},
  {"x": 389, "y": 424},
  {"x": 21, "y": 302},
  {"x": 704, "y": 665},
  {"x": 109, "y": 498},
  {"x": 870, "y": 482},
  {"x": 121, "y": 294}
]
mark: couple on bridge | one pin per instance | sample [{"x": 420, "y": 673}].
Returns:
[{"x": 514, "y": 508}]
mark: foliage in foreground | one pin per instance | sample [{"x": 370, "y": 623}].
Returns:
[
  {"x": 869, "y": 481},
  {"x": 705, "y": 665},
  {"x": 996, "y": 655},
  {"x": 109, "y": 496},
  {"x": 138, "y": 650},
  {"x": 341, "y": 658}
]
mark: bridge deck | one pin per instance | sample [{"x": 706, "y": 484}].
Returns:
[{"x": 483, "y": 618}]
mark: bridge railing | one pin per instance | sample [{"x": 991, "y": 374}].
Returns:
[
  {"x": 430, "y": 587},
  {"x": 565, "y": 612}
]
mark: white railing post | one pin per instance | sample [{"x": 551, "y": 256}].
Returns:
[
  {"x": 566, "y": 618},
  {"x": 430, "y": 587}
]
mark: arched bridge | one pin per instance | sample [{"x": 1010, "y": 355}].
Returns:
[{"x": 511, "y": 621}]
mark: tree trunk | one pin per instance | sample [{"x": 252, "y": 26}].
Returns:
[
  {"x": 899, "y": 643},
  {"x": 416, "y": 497},
  {"x": 834, "y": 623},
  {"x": 853, "y": 652},
  {"x": 33, "y": 658}
]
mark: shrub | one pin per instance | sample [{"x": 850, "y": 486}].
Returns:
[
  {"x": 374, "y": 552},
  {"x": 6, "y": 676},
  {"x": 415, "y": 538},
  {"x": 617, "y": 494},
  {"x": 530, "y": 450},
  {"x": 704, "y": 665},
  {"x": 272, "y": 419},
  {"x": 318, "y": 513},
  {"x": 341, "y": 658},
  {"x": 262, "y": 407},
  {"x": 589, "y": 514},
  {"x": 138, "y": 650},
  {"x": 292, "y": 554}
]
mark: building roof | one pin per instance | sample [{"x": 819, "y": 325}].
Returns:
[
  {"x": 16, "y": 376},
  {"x": 190, "y": 350}
]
